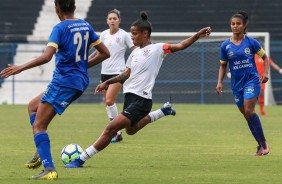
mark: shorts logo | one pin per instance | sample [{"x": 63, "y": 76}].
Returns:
[
  {"x": 64, "y": 104},
  {"x": 250, "y": 90},
  {"x": 247, "y": 51},
  {"x": 126, "y": 112},
  {"x": 236, "y": 99}
]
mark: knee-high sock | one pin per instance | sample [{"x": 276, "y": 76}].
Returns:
[
  {"x": 256, "y": 124},
  {"x": 112, "y": 112},
  {"x": 42, "y": 143},
  {"x": 254, "y": 133}
]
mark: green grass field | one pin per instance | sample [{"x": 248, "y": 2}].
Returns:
[{"x": 201, "y": 144}]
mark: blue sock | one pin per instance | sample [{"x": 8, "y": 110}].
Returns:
[
  {"x": 256, "y": 124},
  {"x": 255, "y": 135},
  {"x": 42, "y": 143},
  {"x": 32, "y": 118}
]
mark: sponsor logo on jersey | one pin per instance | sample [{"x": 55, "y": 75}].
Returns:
[
  {"x": 230, "y": 53},
  {"x": 145, "y": 93}
]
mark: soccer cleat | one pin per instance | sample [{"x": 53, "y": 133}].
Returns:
[
  {"x": 263, "y": 113},
  {"x": 34, "y": 163},
  {"x": 76, "y": 163},
  {"x": 259, "y": 151},
  {"x": 168, "y": 110},
  {"x": 117, "y": 138},
  {"x": 47, "y": 174},
  {"x": 265, "y": 148}
]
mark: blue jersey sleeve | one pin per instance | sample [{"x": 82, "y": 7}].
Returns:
[
  {"x": 94, "y": 38},
  {"x": 223, "y": 58},
  {"x": 257, "y": 47},
  {"x": 54, "y": 38}
]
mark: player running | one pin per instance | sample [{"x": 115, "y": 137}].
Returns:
[{"x": 239, "y": 52}]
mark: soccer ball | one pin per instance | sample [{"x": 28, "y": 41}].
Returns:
[{"x": 70, "y": 152}]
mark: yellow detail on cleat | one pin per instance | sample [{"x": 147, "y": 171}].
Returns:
[
  {"x": 33, "y": 164},
  {"x": 46, "y": 175}
]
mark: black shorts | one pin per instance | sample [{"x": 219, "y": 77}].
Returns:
[
  {"x": 105, "y": 77},
  {"x": 135, "y": 107}
]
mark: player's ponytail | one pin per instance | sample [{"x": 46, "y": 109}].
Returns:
[{"x": 143, "y": 23}]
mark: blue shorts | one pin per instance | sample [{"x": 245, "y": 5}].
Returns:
[
  {"x": 248, "y": 92},
  {"x": 60, "y": 97}
]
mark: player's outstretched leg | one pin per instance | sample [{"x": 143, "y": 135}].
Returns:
[{"x": 35, "y": 162}]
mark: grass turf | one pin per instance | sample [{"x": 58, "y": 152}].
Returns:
[{"x": 201, "y": 144}]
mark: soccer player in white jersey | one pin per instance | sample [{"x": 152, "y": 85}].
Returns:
[
  {"x": 117, "y": 41},
  {"x": 239, "y": 52},
  {"x": 142, "y": 68}
]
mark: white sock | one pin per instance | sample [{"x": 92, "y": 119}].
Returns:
[
  {"x": 88, "y": 153},
  {"x": 155, "y": 115},
  {"x": 112, "y": 111}
]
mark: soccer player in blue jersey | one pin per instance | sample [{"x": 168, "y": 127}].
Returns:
[
  {"x": 70, "y": 41},
  {"x": 239, "y": 52}
]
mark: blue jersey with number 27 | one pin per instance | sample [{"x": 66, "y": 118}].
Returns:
[
  {"x": 72, "y": 39},
  {"x": 241, "y": 62}
]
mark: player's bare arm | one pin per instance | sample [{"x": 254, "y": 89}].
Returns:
[
  {"x": 119, "y": 78},
  {"x": 16, "y": 69},
  {"x": 222, "y": 71},
  {"x": 189, "y": 41},
  {"x": 265, "y": 75},
  {"x": 100, "y": 55}
]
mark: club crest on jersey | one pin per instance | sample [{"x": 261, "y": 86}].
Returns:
[
  {"x": 146, "y": 53},
  {"x": 118, "y": 40},
  {"x": 247, "y": 51}
]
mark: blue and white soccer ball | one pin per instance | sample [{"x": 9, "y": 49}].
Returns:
[{"x": 70, "y": 152}]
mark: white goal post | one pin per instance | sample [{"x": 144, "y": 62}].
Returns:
[{"x": 221, "y": 36}]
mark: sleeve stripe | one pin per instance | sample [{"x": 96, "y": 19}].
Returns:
[
  {"x": 95, "y": 43},
  {"x": 260, "y": 52},
  {"x": 52, "y": 44},
  {"x": 222, "y": 62}
]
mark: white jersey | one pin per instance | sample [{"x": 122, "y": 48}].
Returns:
[
  {"x": 145, "y": 64},
  {"x": 117, "y": 45}
]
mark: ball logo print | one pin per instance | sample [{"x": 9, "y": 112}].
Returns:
[{"x": 70, "y": 152}]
